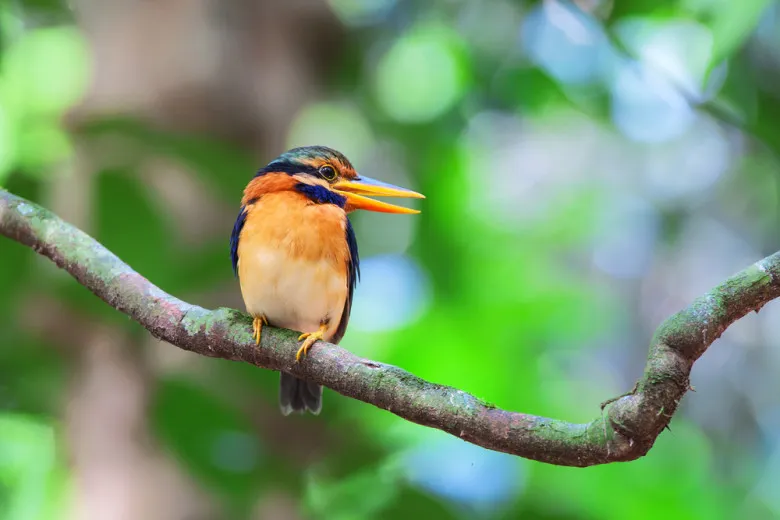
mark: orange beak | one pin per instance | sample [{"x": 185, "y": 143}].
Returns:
[{"x": 356, "y": 189}]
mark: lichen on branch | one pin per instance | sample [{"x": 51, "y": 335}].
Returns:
[{"x": 626, "y": 430}]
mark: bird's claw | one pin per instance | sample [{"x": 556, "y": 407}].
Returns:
[
  {"x": 310, "y": 339},
  {"x": 257, "y": 328}
]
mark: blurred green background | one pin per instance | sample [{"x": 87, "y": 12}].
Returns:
[{"x": 590, "y": 168}]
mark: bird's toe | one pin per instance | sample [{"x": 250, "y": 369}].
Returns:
[
  {"x": 257, "y": 328},
  {"x": 309, "y": 339}
]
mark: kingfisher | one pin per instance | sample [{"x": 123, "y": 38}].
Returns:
[{"x": 295, "y": 254}]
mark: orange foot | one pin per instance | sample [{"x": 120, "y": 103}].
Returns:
[
  {"x": 257, "y": 328},
  {"x": 311, "y": 338}
]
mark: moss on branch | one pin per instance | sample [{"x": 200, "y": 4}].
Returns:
[{"x": 626, "y": 431}]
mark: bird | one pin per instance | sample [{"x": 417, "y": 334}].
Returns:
[{"x": 295, "y": 254}]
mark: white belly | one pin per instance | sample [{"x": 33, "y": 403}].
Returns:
[{"x": 293, "y": 294}]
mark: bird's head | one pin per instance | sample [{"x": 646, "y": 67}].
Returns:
[{"x": 325, "y": 175}]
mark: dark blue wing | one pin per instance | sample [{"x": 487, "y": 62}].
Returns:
[
  {"x": 237, "y": 227},
  {"x": 353, "y": 275}
]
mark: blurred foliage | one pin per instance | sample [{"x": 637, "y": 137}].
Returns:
[
  {"x": 31, "y": 475},
  {"x": 572, "y": 158}
]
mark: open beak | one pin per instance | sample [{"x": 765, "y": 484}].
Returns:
[{"x": 356, "y": 189}]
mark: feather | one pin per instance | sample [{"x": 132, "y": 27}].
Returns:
[
  {"x": 234, "y": 236},
  {"x": 299, "y": 264},
  {"x": 353, "y": 276},
  {"x": 299, "y": 395}
]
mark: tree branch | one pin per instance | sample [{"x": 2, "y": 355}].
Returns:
[{"x": 626, "y": 431}]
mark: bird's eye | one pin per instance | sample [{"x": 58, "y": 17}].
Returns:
[{"x": 328, "y": 172}]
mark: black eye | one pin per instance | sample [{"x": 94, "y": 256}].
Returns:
[{"x": 328, "y": 173}]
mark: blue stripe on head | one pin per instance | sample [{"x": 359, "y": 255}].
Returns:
[{"x": 321, "y": 194}]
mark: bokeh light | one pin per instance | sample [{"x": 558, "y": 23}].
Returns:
[
  {"x": 393, "y": 292},
  {"x": 567, "y": 43},
  {"x": 361, "y": 12},
  {"x": 337, "y": 125},
  {"x": 590, "y": 168},
  {"x": 422, "y": 75},
  {"x": 468, "y": 475}
]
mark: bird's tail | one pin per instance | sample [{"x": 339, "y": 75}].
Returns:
[{"x": 298, "y": 395}]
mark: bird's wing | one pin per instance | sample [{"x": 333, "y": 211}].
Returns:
[
  {"x": 237, "y": 227},
  {"x": 353, "y": 275}
]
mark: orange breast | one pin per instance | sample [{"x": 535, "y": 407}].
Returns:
[{"x": 292, "y": 262}]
